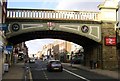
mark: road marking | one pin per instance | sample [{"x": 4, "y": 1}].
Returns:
[
  {"x": 44, "y": 74},
  {"x": 76, "y": 75},
  {"x": 31, "y": 79}
]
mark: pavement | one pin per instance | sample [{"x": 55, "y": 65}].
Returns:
[
  {"x": 113, "y": 74},
  {"x": 16, "y": 72}
]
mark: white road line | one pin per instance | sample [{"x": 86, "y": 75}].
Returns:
[
  {"x": 31, "y": 79},
  {"x": 76, "y": 75},
  {"x": 45, "y": 74}
]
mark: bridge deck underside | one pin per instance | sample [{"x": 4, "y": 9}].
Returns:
[
  {"x": 52, "y": 34},
  {"x": 9, "y": 20}
]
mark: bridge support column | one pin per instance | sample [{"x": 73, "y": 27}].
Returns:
[
  {"x": 108, "y": 17},
  {"x": 109, "y": 54},
  {"x": 93, "y": 53}
]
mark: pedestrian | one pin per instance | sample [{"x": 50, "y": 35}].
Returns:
[
  {"x": 91, "y": 64},
  {"x": 95, "y": 64},
  {"x": 25, "y": 60},
  {"x": 71, "y": 58}
]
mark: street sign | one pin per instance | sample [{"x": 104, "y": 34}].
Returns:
[
  {"x": 3, "y": 27},
  {"x": 110, "y": 41},
  {"x": 9, "y": 48}
]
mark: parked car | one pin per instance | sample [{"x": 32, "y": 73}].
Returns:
[
  {"x": 31, "y": 60},
  {"x": 54, "y": 65}
]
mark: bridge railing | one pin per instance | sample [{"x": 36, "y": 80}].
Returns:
[{"x": 52, "y": 14}]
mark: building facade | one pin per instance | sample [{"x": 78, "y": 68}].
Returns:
[
  {"x": 59, "y": 50},
  {"x": 20, "y": 53},
  {"x": 3, "y": 6},
  {"x": 65, "y": 51}
]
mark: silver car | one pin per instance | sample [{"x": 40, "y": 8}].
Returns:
[{"x": 54, "y": 65}]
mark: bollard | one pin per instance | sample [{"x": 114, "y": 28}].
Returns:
[{"x": 26, "y": 73}]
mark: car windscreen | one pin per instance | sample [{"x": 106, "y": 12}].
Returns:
[{"x": 55, "y": 62}]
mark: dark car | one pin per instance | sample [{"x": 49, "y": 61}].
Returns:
[
  {"x": 31, "y": 60},
  {"x": 54, "y": 65}
]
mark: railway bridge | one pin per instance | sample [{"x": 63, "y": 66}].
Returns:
[{"x": 95, "y": 31}]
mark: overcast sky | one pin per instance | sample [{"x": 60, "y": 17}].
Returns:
[{"x": 84, "y": 5}]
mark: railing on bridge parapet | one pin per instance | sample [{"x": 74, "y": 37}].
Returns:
[{"x": 52, "y": 14}]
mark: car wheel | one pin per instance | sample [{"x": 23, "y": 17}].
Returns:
[
  {"x": 48, "y": 70},
  {"x": 61, "y": 70}
]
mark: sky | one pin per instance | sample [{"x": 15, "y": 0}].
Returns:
[
  {"x": 36, "y": 45},
  {"x": 82, "y": 5},
  {"x": 56, "y": 4}
]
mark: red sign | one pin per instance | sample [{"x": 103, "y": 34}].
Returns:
[
  {"x": 110, "y": 40},
  {"x": 50, "y": 24}
]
